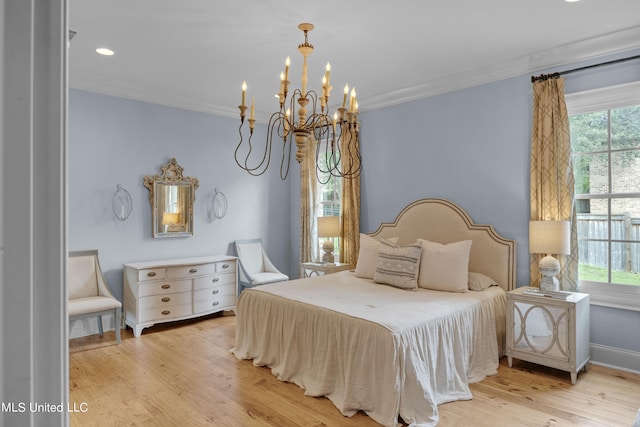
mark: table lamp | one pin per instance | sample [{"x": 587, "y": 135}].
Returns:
[
  {"x": 549, "y": 237},
  {"x": 328, "y": 227}
]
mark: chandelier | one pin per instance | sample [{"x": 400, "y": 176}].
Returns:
[{"x": 337, "y": 150}]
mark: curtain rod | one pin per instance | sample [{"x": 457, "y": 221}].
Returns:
[{"x": 543, "y": 77}]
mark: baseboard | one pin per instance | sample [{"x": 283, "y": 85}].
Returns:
[
  {"x": 89, "y": 326},
  {"x": 617, "y": 358}
]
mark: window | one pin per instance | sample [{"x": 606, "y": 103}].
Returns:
[
  {"x": 329, "y": 193},
  {"x": 605, "y": 140}
]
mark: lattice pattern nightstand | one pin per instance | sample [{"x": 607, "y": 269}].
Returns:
[
  {"x": 320, "y": 268},
  {"x": 548, "y": 331}
]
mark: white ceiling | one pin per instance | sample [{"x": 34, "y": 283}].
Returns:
[{"x": 194, "y": 54}]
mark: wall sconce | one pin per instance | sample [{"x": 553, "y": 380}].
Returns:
[
  {"x": 549, "y": 237},
  {"x": 328, "y": 227},
  {"x": 121, "y": 203},
  {"x": 216, "y": 205}
]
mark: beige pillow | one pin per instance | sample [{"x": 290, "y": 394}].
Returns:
[
  {"x": 398, "y": 265},
  {"x": 445, "y": 267},
  {"x": 480, "y": 282},
  {"x": 368, "y": 256}
]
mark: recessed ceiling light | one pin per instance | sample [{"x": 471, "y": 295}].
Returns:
[
  {"x": 571, "y": 1},
  {"x": 104, "y": 51}
]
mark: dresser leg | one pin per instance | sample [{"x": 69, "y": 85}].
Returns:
[
  {"x": 509, "y": 360},
  {"x": 574, "y": 377}
]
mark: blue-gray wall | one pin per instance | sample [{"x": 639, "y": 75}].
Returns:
[
  {"x": 118, "y": 141},
  {"x": 470, "y": 146}
]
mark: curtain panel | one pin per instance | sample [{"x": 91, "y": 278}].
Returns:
[
  {"x": 350, "y": 210},
  {"x": 552, "y": 180},
  {"x": 309, "y": 247}
]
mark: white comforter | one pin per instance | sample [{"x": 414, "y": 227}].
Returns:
[{"x": 373, "y": 347}]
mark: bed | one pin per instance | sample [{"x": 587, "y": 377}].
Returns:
[{"x": 391, "y": 352}]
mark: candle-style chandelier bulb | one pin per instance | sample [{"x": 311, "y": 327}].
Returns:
[{"x": 334, "y": 135}]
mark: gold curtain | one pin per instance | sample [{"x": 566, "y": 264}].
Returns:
[
  {"x": 308, "y": 190},
  {"x": 350, "y": 210},
  {"x": 552, "y": 181}
]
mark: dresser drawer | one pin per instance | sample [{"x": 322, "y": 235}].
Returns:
[
  {"x": 164, "y": 313},
  {"x": 163, "y": 287},
  {"x": 152, "y": 274},
  {"x": 226, "y": 266},
  {"x": 164, "y": 300},
  {"x": 215, "y": 292},
  {"x": 214, "y": 303},
  {"x": 191, "y": 270},
  {"x": 212, "y": 281}
]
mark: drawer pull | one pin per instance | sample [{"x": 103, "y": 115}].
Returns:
[
  {"x": 166, "y": 299},
  {"x": 166, "y": 286},
  {"x": 193, "y": 270},
  {"x": 215, "y": 291},
  {"x": 215, "y": 279},
  {"x": 215, "y": 303},
  {"x": 166, "y": 312},
  {"x": 151, "y": 274},
  {"x": 225, "y": 265}
]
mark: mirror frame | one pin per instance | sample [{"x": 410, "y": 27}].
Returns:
[{"x": 171, "y": 176}]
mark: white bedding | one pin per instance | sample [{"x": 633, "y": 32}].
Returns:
[{"x": 373, "y": 347}]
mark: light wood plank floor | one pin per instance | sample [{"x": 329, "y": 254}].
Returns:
[{"x": 182, "y": 375}]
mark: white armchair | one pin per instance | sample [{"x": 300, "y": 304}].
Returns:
[
  {"x": 87, "y": 291},
  {"x": 255, "y": 267}
]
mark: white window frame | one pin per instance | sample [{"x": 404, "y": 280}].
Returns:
[{"x": 609, "y": 295}]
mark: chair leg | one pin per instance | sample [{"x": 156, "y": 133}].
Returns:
[
  {"x": 117, "y": 325},
  {"x": 100, "y": 325}
]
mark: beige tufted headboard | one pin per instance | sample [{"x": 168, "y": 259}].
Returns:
[{"x": 442, "y": 221}]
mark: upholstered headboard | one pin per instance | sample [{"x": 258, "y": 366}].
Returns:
[{"x": 442, "y": 221}]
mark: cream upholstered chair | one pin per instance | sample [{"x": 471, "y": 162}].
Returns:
[
  {"x": 255, "y": 267},
  {"x": 87, "y": 291}
]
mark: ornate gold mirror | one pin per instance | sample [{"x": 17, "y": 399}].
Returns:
[{"x": 171, "y": 195}]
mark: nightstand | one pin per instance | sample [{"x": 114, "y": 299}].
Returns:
[
  {"x": 321, "y": 268},
  {"x": 549, "y": 331}
]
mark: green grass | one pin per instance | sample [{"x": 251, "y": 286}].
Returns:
[{"x": 599, "y": 274}]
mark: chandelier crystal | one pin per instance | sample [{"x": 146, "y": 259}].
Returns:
[{"x": 337, "y": 136}]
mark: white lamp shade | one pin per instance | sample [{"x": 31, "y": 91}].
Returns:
[
  {"x": 328, "y": 226},
  {"x": 550, "y": 237}
]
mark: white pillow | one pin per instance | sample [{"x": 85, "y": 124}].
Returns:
[
  {"x": 398, "y": 265},
  {"x": 445, "y": 267},
  {"x": 480, "y": 282},
  {"x": 368, "y": 256}
]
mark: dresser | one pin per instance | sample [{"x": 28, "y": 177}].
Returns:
[
  {"x": 549, "y": 331},
  {"x": 177, "y": 289}
]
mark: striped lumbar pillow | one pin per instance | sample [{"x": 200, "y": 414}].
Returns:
[{"x": 398, "y": 265}]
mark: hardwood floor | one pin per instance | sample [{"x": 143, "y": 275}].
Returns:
[{"x": 182, "y": 375}]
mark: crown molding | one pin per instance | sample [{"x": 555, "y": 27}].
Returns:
[
  {"x": 558, "y": 57},
  {"x": 143, "y": 93}
]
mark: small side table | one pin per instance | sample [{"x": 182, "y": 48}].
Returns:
[
  {"x": 549, "y": 331},
  {"x": 321, "y": 268}
]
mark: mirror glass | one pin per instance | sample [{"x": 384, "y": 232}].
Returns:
[{"x": 171, "y": 196}]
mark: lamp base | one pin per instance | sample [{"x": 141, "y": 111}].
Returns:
[
  {"x": 549, "y": 267},
  {"x": 327, "y": 247}
]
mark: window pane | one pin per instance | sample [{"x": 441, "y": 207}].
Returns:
[
  {"x": 625, "y": 172},
  {"x": 594, "y": 261},
  {"x": 625, "y": 127},
  {"x": 626, "y": 210},
  {"x": 589, "y": 132},
  {"x": 591, "y": 174},
  {"x": 625, "y": 257},
  {"x": 592, "y": 227}
]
